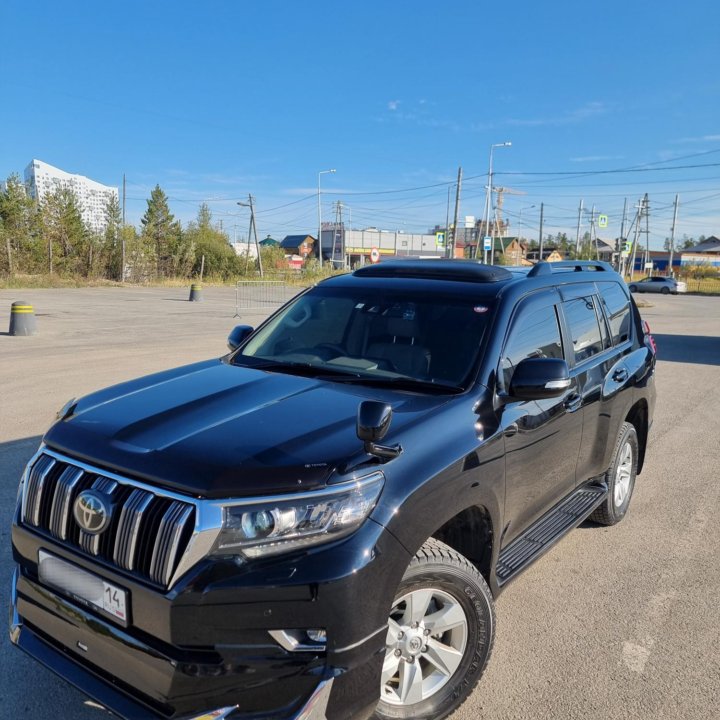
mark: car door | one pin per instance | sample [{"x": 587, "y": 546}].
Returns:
[
  {"x": 596, "y": 365},
  {"x": 542, "y": 437}
]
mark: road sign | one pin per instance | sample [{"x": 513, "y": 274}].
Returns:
[
  {"x": 439, "y": 239},
  {"x": 374, "y": 255},
  {"x": 487, "y": 242},
  {"x": 648, "y": 266},
  {"x": 602, "y": 221}
]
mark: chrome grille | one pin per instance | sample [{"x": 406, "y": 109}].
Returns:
[{"x": 148, "y": 532}]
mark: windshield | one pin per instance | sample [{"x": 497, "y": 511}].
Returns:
[{"x": 364, "y": 335}]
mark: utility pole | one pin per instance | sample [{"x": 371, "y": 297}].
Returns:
[
  {"x": 319, "y": 195},
  {"x": 252, "y": 232},
  {"x": 122, "y": 238},
  {"x": 636, "y": 222},
  {"x": 338, "y": 230},
  {"x": 542, "y": 211},
  {"x": 447, "y": 224},
  {"x": 593, "y": 235},
  {"x": 577, "y": 234},
  {"x": 457, "y": 209},
  {"x": 624, "y": 219},
  {"x": 647, "y": 230},
  {"x": 672, "y": 236}
]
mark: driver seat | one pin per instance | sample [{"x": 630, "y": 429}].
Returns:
[{"x": 398, "y": 345}]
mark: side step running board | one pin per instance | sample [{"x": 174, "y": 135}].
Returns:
[{"x": 543, "y": 534}]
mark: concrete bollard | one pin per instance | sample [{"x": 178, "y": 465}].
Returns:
[
  {"x": 22, "y": 319},
  {"x": 195, "y": 293}
]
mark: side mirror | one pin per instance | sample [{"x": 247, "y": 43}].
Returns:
[
  {"x": 373, "y": 422},
  {"x": 238, "y": 335},
  {"x": 540, "y": 378}
]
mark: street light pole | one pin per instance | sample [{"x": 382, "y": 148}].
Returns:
[
  {"x": 488, "y": 199},
  {"x": 522, "y": 207},
  {"x": 319, "y": 238}
]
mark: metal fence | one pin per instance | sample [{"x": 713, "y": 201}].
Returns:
[{"x": 262, "y": 296}]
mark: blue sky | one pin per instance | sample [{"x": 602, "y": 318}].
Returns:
[{"x": 216, "y": 99}]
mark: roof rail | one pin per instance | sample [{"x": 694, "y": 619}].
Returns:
[{"x": 546, "y": 268}]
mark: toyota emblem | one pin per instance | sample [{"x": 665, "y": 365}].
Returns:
[{"x": 92, "y": 511}]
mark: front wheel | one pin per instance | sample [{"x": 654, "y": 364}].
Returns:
[
  {"x": 440, "y": 635},
  {"x": 665, "y": 291},
  {"x": 633, "y": 288},
  {"x": 620, "y": 478}
]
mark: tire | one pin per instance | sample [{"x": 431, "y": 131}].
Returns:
[
  {"x": 633, "y": 288},
  {"x": 665, "y": 291},
  {"x": 620, "y": 478},
  {"x": 446, "y": 665}
]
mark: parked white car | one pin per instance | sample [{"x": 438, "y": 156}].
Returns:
[{"x": 664, "y": 285}]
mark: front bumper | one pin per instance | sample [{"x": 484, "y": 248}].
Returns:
[{"x": 204, "y": 649}]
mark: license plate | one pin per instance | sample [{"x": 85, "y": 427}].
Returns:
[{"x": 88, "y": 589}]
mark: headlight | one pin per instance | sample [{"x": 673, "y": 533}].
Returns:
[{"x": 275, "y": 525}]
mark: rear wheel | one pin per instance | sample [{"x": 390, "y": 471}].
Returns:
[
  {"x": 633, "y": 288},
  {"x": 620, "y": 478},
  {"x": 440, "y": 634}
]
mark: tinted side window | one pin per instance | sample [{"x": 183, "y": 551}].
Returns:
[
  {"x": 535, "y": 333},
  {"x": 617, "y": 309},
  {"x": 584, "y": 328}
]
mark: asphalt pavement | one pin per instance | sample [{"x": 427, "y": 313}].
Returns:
[{"x": 618, "y": 622}]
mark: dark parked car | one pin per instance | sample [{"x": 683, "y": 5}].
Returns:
[
  {"x": 317, "y": 524},
  {"x": 664, "y": 285}
]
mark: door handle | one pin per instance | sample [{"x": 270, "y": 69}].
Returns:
[
  {"x": 573, "y": 402},
  {"x": 511, "y": 430},
  {"x": 620, "y": 375}
]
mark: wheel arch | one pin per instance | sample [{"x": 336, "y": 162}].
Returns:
[
  {"x": 638, "y": 418},
  {"x": 470, "y": 533}
]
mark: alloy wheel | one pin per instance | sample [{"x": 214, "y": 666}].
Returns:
[{"x": 426, "y": 640}]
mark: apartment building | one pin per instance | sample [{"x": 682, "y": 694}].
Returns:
[{"x": 92, "y": 196}]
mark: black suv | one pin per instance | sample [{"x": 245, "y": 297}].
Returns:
[{"x": 315, "y": 525}]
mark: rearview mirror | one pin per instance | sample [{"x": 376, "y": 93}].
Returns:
[
  {"x": 540, "y": 378},
  {"x": 238, "y": 335}
]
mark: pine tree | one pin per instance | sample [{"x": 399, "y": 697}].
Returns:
[
  {"x": 18, "y": 220},
  {"x": 162, "y": 233},
  {"x": 69, "y": 241},
  {"x": 112, "y": 239}
]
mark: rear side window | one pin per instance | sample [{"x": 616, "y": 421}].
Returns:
[
  {"x": 617, "y": 310},
  {"x": 535, "y": 334},
  {"x": 584, "y": 328}
]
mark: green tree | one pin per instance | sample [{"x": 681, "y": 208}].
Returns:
[
  {"x": 112, "y": 239},
  {"x": 206, "y": 240},
  {"x": 161, "y": 231},
  {"x": 18, "y": 228},
  {"x": 68, "y": 239}
]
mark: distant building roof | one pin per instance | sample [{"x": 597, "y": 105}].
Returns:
[
  {"x": 711, "y": 245},
  {"x": 268, "y": 242},
  {"x": 295, "y": 241}
]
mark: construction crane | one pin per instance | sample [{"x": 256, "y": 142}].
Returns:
[{"x": 501, "y": 191}]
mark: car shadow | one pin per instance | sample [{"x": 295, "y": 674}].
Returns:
[{"x": 697, "y": 349}]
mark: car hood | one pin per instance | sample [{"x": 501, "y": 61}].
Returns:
[{"x": 217, "y": 430}]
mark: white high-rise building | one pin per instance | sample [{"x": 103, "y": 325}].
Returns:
[{"x": 41, "y": 179}]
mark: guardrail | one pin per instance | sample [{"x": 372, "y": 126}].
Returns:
[{"x": 262, "y": 295}]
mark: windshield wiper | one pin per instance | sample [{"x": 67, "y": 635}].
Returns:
[{"x": 302, "y": 368}]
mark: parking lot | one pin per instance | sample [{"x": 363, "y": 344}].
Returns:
[{"x": 617, "y": 622}]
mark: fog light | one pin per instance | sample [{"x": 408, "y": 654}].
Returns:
[{"x": 318, "y": 635}]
